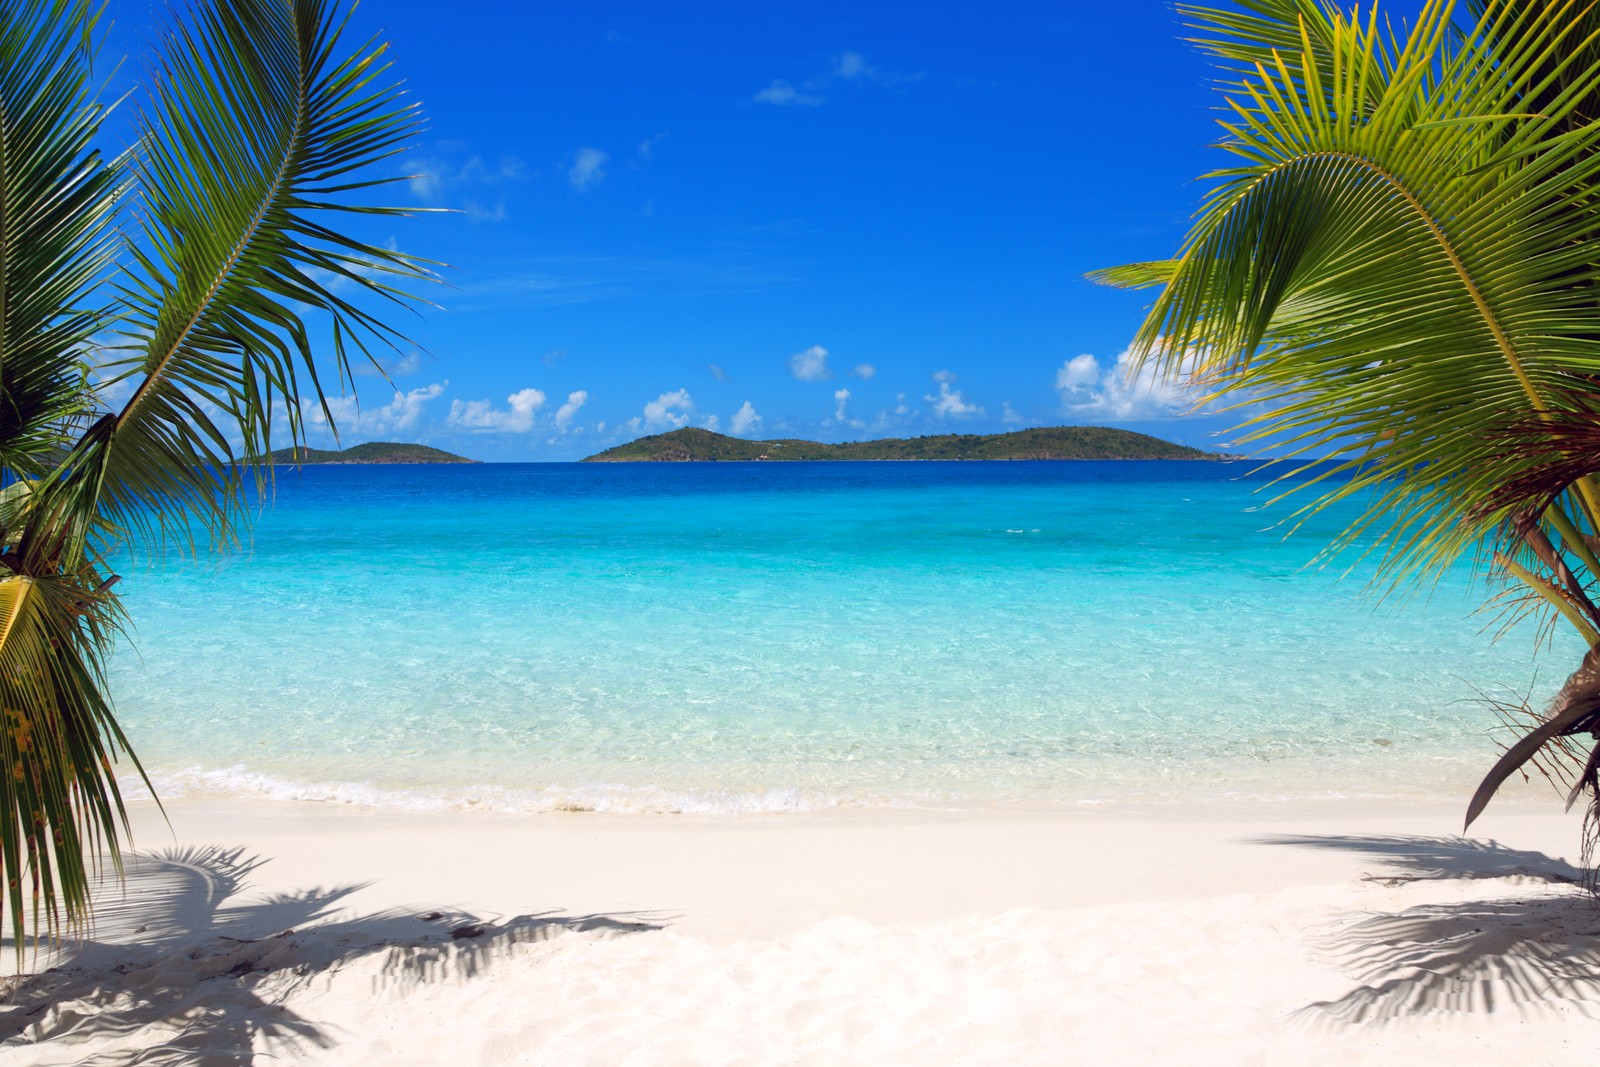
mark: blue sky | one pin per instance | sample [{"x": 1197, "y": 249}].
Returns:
[{"x": 835, "y": 221}]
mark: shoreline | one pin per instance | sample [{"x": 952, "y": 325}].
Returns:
[
  {"x": 1219, "y": 796},
  {"x": 324, "y": 934}
]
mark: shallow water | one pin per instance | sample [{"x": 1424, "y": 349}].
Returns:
[{"x": 773, "y": 637}]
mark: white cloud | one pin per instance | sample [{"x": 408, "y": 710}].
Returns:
[
  {"x": 900, "y": 404},
  {"x": 380, "y": 366},
  {"x": 588, "y": 168},
  {"x": 428, "y": 182},
  {"x": 718, "y": 373},
  {"x": 864, "y": 371},
  {"x": 476, "y": 212},
  {"x": 349, "y": 416},
  {"x": 841, "y": 414},
  {"x": 566, "y": 412},
  {"x": 481, "y": 416},
  {"x": 943, "y": 376},
  {"x": 1122, "y": 392},
  {"x": 1010, "y": 415},
  {"x": 647, "y": 147},
  {"x": 450, "y": 171},
  {"x": 745, "y": 420},
  {"x": 852, "y": 65},
  {"x": 782, "y": 93},
  {"x": 1078, "y": 373},
  {"x": 810, "y": 365},
  {"x": 711, "y": 422},
  {"x": 950, "y": 403},
  {"x": 112, "y": 394},
  {"x": 669, "y": 410}
]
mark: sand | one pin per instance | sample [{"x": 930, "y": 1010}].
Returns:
[{"x": 289, "y": 932}]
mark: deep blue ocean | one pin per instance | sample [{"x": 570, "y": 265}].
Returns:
[{"x": 778, "y": 637}]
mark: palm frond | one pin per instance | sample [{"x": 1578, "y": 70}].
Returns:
[
  {"x": 60, "y": 807},
  {"x": 258, "y": 132},
  {"x": 57, "y": 201},
  {"x": 1397, "y": 271},
  {"x": 1137, "y": 275},
  {"x": 1395, "y": 281}
]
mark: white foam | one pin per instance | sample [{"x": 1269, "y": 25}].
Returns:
[{"x": 590, "y": 797}]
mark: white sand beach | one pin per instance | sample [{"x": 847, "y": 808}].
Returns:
[{"x": 307, "y": 933}]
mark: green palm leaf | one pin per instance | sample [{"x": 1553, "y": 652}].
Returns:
[
  {"x": 257, "y": 138},
  {"x": 1398, "y": 269},
  {"x": 59, "y": 801},
  {"x": 1393, "y": 283},
  {"x": 57, "y": 198},
  {"x": 257, "y": 133}
]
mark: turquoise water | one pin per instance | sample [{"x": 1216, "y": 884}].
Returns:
[{"x": 762, "y": 637}]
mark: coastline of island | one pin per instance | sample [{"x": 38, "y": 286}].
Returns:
[
  {"x": 692, "y": 445},
  {"x": 372, "y": 452}
]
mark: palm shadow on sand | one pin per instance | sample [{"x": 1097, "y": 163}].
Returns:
[
  {"x": 1529, "y": 953},
  {"x": 177, "y": 969}
]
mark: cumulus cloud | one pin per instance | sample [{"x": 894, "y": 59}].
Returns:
[
  {"x": 711, "y": 422},
  {"x": 810, "y": 365},
  {"x": 669, "y": 410},
  {"x": 568, "y": 411},
  {"x": 783, "y": 94},
  {"x": 841, "y": 412},
  {"x": 1121, "y": 391},
  {"x": 349, "y": 416},
  {"x": 745, "y": 420},
  {"x": 943, "y": 376},
  {"x": 1078, "y": 373},
  {"x": 950, "y": 403},
  {"x": 864, "y": 371},
  {"x": 588, "y": 168},
  {"x": 1010, "y": 415},
  {"x": 481, "y": 416}
]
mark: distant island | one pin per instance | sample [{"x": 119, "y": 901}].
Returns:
[
  {"x": 690, "y": 445},
  {"x": 371, "y": 452}
]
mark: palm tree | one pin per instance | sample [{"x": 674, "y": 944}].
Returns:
[
  {"x": 1398, "y": 267},
  {"x": 201, "y": 252}
]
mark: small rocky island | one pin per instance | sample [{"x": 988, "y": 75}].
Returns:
[
  {"x": 371, "y": 452},
  {"x": 690, "y": 445}
]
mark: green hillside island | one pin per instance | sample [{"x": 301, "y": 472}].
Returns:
[
  {"x": 371, "y": 452},
  {"x": 690, "y": 445}
]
